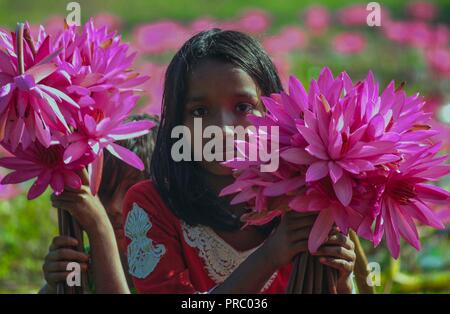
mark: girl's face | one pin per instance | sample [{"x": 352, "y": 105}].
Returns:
[{"x": 222, "y": 95}]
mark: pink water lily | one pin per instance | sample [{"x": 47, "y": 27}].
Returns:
[
  {"x": 356, "y": 14},
  {"x": 99, "y": 129},
  {"x": 107, "y": 19},
  {"x": 289, "y": 38},
  {"x": 317, "y": 19},
  {"x": 43, "y": 163},
  {"x": 407, "y": 197},
  {"x": 254, "y": 21},
  {"x": 344, "y": 139},
  {"x": 422, "y": 10},
  {"x": 97, "y": 62},
  {"x": 349, "y": 43},
  {"x": 439, "y": 61},
  {"x": 160, "y": 37},
  {"x": 153, "y": 88},
  {"x": 29, "y": 105}
]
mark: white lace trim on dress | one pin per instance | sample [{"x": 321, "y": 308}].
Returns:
[{"x": 220, "y": 258}]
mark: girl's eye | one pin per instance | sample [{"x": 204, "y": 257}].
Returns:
[
  {"x": 244, "y": 107},
  {"x": 199, "y": 112}
]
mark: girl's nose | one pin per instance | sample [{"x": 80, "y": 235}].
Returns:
[{"x": 227, "y": 118}]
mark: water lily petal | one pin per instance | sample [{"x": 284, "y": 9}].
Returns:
[
  {"x": 277, "y": 112},
  {"x": 6, "y": 93},
  {"x": 40, "y": 185},
  {"x": 16, "y": 163},
  {"x": 126, "y": 155},
  {"x": 132, "y": 129},
  {"x": 310, "y": 136},
  {"x": 297, "y": 156},
  {"x": 5, "y": 64},
  {"x": 343, "y": 189},
  {"x": 317, "y": 151},
  {"x": 42, "y": 131},
  {"x": 336, "y": 171},
  {"x": 423, "y": 213},
  {"x": 432, "y": 193},
  {"x": 320, "y": 230},
  {"x": 376, "y": 126},
  {"x": 42, "y": 71},
  {"x": 284, "y": 186},
  {"x": 243, "y": 196},
  {"x": 57, "y": 183},
  {"x": 57, "y": 93},
  {"x": 72, "y": 180},
  {"x": 406, "y": 227},
  {"x": 317, "y": 171},
  {"x": 74, "y": 151},
  {"x": 298, "y": 93},
  {"x": 392, "y": 236},
  {"x": 55, "y": 109},
  {"x": 20, "y": 176}
]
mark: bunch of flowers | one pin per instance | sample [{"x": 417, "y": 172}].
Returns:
[
  {"x": 359, "y": 158},
  {"x": 62, "y": 101}
]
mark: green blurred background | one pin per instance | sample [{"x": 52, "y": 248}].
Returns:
[{"x": 27, "y": 227}]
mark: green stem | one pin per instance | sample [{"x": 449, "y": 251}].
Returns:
[{"x": 19, "y": 44}]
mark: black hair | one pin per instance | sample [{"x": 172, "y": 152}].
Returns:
[
  {"x": 181, "y": 184},
  {"x": 115, "y": 170}
]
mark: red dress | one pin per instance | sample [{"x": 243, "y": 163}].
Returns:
[{"x": 166, "y": 255}]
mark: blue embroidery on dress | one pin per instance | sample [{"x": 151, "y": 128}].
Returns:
[{"x": 143, "y": 255}]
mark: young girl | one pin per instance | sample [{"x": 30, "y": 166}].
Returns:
[
  {"x": 183, "y": 238},
  {"x": 117, "y": 178}
]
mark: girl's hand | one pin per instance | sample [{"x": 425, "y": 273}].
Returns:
[
  {"x": 86, "y": 208},
  {"x": 338, "y": 252},
  {"x": 60, "y": 254},
  {"x": 289, "y": 238}
]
